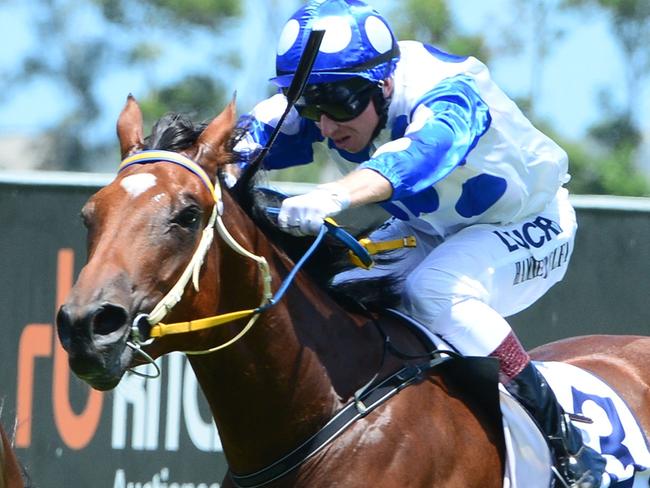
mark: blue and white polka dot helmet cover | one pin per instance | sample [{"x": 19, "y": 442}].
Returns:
[{"x": 357, "y": 42}]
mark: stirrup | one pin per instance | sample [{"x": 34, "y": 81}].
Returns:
[
  {"x": 561, "y": 482},
  {"x": 585, "y": 468}
]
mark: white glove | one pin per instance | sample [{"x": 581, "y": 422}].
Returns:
[{"x": 304, "y": 214}]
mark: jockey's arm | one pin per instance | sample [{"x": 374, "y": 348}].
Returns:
[{"x": 365, "y": 186}]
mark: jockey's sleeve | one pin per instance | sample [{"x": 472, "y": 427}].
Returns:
[
  {"x": 293, "y": 145},
  {"x": 445, "y": 124}
]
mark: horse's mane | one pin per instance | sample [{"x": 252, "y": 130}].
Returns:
[{"x": 175, "y": 132}]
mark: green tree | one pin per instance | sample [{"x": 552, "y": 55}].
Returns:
[
  {"x": 630, "y": 23},
  {"x": 131, "y": 36},
  {"x": 177, "y": 13},
  {"x": 432, "y": 21},
  {"x": 534, "y": 29},
  {"x": 617, "y": 135},
  {"x": 199, "y": 96},
  {"x": 604, "y": 163}
]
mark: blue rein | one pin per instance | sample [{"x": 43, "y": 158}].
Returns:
[
  {"x": 329, "y": 227},
  {"x": 289, "y": 279}
]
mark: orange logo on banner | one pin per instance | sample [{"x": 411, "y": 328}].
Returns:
[{"x": 38, "y": 341}]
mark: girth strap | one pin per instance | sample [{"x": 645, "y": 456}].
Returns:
[{"x": 353, "y": 411}]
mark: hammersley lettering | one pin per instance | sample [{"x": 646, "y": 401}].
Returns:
[
  {"x": 531, "y": 268},
  {"x": 531, "y": 234},
  {"x": 159, "y": 480}
]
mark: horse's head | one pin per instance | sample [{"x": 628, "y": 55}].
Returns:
[{"x": 143, "y": 229}]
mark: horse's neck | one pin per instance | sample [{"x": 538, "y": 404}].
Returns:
[{"x": 288, "y": 375}]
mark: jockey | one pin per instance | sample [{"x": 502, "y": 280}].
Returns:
[{"x": 433, "y": 139}]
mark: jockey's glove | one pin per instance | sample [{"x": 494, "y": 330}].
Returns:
[{"x": 303, "y": 214}]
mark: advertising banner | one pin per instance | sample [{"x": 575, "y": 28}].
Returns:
[{"x": 158, "y": 433}]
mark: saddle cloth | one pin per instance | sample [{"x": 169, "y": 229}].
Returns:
[{"x": 612, "y": 429}]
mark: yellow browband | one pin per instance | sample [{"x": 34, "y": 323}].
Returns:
[
  {"x": 152, "y": 156},
  {"x": 159, "y": 329}
]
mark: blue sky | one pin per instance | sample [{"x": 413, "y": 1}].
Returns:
[{"x": 585, "y": 61}]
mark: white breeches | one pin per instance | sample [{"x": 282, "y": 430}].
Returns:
[{"x": 462, "y": 286}]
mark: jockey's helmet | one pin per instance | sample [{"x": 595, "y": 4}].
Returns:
[{"x": 358, "y": 42}]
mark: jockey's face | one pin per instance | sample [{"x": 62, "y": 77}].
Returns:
[{"x": 353, "y": 135}]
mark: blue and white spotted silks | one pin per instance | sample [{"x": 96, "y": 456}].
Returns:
[{"x": 456, "y": 149}]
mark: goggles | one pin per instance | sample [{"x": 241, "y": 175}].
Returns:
[{"x": 340, "y": 101}]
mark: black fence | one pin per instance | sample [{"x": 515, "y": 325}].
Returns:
[{"x": 158, "y": 433}]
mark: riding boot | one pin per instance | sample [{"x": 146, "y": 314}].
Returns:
[{"x": 580, "y": 465}]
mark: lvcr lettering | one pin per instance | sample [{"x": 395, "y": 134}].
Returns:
[{"x": 531, "y": 234}]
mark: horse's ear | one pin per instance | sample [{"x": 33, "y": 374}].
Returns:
[
  {"x": 129, "y": 128},
  {"x": 212, "y": 145}
]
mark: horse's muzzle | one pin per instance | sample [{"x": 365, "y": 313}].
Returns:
[
  {"x": 99, "y": 325},
  {"x": 94, "y": 338}
]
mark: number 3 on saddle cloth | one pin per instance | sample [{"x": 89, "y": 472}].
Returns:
[{"x": 609, "y": 427}]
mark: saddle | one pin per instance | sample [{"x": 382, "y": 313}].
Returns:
[{"x": 606, "y": 422}]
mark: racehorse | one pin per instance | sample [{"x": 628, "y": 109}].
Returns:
[
  {"x": 10, "y": 471},
  {"x": 301, "y": 360}
]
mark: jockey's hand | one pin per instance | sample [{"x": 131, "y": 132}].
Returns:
[{"x": 304, "y": 214}]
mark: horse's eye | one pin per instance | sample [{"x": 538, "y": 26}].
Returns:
[{"x": 188, "y": 218}]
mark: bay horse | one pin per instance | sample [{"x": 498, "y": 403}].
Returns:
[
  {"x": 10, "y": 470},
  {"x": 304, "y": 358}
]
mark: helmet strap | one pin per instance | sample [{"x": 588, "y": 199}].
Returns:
[{"x": 381, "y": 103}]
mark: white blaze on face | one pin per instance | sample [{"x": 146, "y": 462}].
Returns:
[{"x": 137, "y": 184}]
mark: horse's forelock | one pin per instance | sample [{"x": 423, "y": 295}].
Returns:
[
  {"x": 174, "y": 132},
  {"x": 177, "y": 132}
]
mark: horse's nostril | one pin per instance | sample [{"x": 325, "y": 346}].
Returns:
[
  {"x": 63, "y": 324},
  {"x": 108, "y": 319}
]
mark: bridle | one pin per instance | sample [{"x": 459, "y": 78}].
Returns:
[{"x": 150, "y": 325}]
